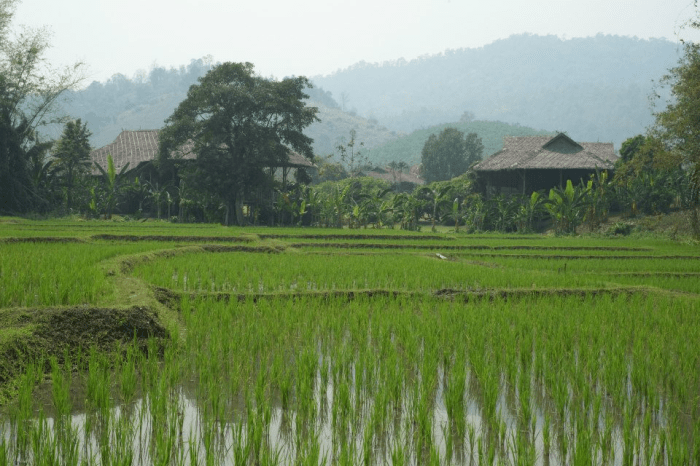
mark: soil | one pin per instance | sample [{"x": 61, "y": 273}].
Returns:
[
  {"x": 357, "y": 237},
  {"x": 491, "y": 295},
  {"x": 474, "y": 247},
  {"x": 42, "y": 239},
  {"x": 42, "y": 333},
  {"x": 173, "y": 238},
  {"x": 172, "y": 299}
]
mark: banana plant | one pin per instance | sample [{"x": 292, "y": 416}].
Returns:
[
  {"x": 339, "y": 204},
  {"x": 113, "y": 183},
  {"x": 312, "y": 204},
  {"x": 376, "y": 206},
  {"x": 566, "y": 207},
  {"x": 438, "y": 198},
  {"x": 528, "y": 211},
  {"x": 504, "y": 209},
  {"x": 458, "y": 212},
  {"x": 597, "y": 199},
  {"x": 158, "y": 194},
  {"x": 475, "y": 212},
  {"x": 409, "y": 207}
]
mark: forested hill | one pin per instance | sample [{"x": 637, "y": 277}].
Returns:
[
  {"x": 144, "y": 102},
  {"x": 407, "y": 148},
  {"x": 141, "y": 102},
  {"x": 596, "y": 89}
]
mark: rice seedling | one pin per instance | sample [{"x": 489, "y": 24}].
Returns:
[{"x": 300, "y": 376}]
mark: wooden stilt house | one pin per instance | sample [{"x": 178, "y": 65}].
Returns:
[{"x": 533, "y": 163}]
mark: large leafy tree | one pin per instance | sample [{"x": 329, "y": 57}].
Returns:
[
  {"x": 449, "y": 154},
  {"x": 72, "y": 156},
  {"x": 238, "y": 123},
  {"x": 29, "y": 92},
  {"x": 675, "y": 137}
]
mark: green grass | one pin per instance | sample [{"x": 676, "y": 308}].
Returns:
[
  {"x": 546, "y": 366},
  {"x": 50, "y": 274}
]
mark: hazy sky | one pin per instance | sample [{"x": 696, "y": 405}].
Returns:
[{"x": 311, "y": 37}]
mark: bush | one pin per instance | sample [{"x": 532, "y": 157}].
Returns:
[{"x": 620, "y": 229}]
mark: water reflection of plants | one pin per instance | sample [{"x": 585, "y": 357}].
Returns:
[{"x": 386, "y": 380}]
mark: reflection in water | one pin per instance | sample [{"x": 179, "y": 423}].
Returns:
[{"x": 180, "y": 428}]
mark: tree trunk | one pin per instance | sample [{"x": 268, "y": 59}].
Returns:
[{"x": 240, "y": 220}]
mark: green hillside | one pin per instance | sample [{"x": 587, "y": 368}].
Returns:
[
  {"x": 408, "y": 148},
  {"x": 336, "y": 125},
  {"x": 595, "y": 88}
]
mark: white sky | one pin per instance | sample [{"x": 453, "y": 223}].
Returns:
[{"x": 312, "y": 37}]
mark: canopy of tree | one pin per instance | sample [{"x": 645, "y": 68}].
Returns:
[
  {"x": 408, "y": 148},
  {"x": 239, "y": 123},
  {"x": 449, "y": 154},
  {"x": 29, "y": 89},
  {"x": 72, "y": 156},
  {"x": 673, "y": 143}
]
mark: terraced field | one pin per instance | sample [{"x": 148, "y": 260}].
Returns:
[{"x": 144, "y": 343}]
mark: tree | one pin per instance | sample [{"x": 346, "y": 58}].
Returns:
[
  {"x": 72, "y": 156},
  {"x": 630, "y": 148},
  {"x": 29, "y": 90},
  {"x": 329, "y": 171},
  {"x": 238, "y": 123},
  {"x": 449, "y": 154},
  {"x": 353, "y": 159},
  {"x": 675, "y": 135}
]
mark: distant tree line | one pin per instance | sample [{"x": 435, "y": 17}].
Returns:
[{"x": 242, "y": 126}]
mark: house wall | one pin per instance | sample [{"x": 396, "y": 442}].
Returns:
[{"x": 510, "y": 182}]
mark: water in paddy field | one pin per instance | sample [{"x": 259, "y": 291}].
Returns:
[{"x": 182, "y": 427}]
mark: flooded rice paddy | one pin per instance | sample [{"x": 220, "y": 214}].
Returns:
[{"x": 414, "y": 356}]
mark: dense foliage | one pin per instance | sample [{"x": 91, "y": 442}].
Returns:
[
  {"x": 239, "y": 124},
  {"x": 449, "y": 154},
  {"x": 407, "y": 148},
  {"x": 29, "y": 90},
  {"x": 72, "y": 157},
  {"x": 674, "y": 140}
]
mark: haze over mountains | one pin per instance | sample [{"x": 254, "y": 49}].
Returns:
[{"x": 596, "y": 89}]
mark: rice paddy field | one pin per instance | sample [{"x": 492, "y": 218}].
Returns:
[{"x": 153, "y": 343}]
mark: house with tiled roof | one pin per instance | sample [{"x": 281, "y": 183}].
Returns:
[
  {"x": 533, "y": 163},
  {"x": 138, "y": 148}
]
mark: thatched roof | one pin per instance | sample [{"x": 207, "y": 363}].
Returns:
[
  {"x": 136, "y": 147},
  {"x": 132, "y": 147},
  {"x": 297, "y": 160},
  {"x": 546, "y": 152}
]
